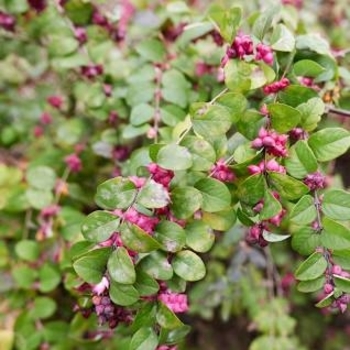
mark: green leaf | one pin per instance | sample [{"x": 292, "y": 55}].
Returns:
[
  {"x": 157, "y": 265},
  {"x": 91, "y": 266},
  {"x": 137, "y": 239},
  {"x": 215, "y": 194},
  {"x": 203, "y": 153},
  {"x": 282, "y": 39},
  {"x": 227, "y": 20},
  {"x": 313, "y": 42},
  {"x": 39, "y": 199},
  {"x": 336, "y": 204},
  {"x": 115, "y": 193},
  {"x": 235, "y": 103},
  {"x": 214, "y": 121},
  {"x": 99, "y": 226},
  {"x": 313, "y": 267},
  {"x": 145, "y": 284},
  {"x": 305, "y": 240},
  {"x": 151, "y": 50},
  {"x": 185, "y": 201},
  {"x": 342, "y": 257},
  {"x": 43, "y": 307},
  {"x": 329, "y": 143},
  {"x": 271, "y": 207},
  {"x": 238, "y": 75},
  {"x": 141, "y": 114},
  {"x": 334, "y": 235},
  {"x": 121, "y": 267},
  {"x": 199, "y": 236},
  {"x": 342, "y": 283},
  {"x": 273, "y": 237},
  {"x": 27, "y": 250},
  {"x": 220, "y": 220},
  {"x": 174, "y": 157},
  {"x": 304, "y": 212},
  {"x": 50, "y": 277},
  {"x": 288, "y": 187},
  {"x": 311, "y": 286},
  {"x": 41, "y": 177},
  {"x": 261, "y": 74},
  {"x": 283, "y": 117},
  {"x": 24, "y": 276},
  {"x": 140, "y": 92},
  {"x": 62, "y": 45},
  {"x": 307, "y": 68},
  {"x": 193, "y": 31},
  {"x": 294, "y": 95},
  {"x": 171, "y": 235},
  {"x": 144, "y": 339},
  {"x": 250, "y": 124},
  {"x": 176, "y": 88},
  {"x": 326, "y": 301},
  {"x": 252, "y": 189},
  {"x": 311, "y": 112},
  {"x": 153, "y": 195},
  {"x": 123, "y": 294},
  {"x": 301, "y": 160},
  {"x": 173, "y": 336},
  {"x": 188, "y": 266},
  {"x": 263, "y": 23},
  {"x": 166, "y": 318}
]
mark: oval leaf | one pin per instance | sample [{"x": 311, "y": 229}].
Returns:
[
  {"x": 121, "y": 267},
  {"x": 188, "y": 266},
  {"x": 313, "y": 267},
  {"x": 174, "y": 157}
]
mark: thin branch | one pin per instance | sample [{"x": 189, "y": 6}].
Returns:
[{"x": 338, "y": 111}]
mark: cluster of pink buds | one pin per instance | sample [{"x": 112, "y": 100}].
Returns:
[
  {"x": 108, "y": 90},
  {"x": 277, "y": 86},
  {"x": 45, "y": 118},
  {"x": 172, "y": 31},
  {"x": 37, "y": 5},
  {"x": 298, "y": 134},
  {"x": 273, "y": 143},
  {"x": 80, "y": 35},
  {"x": 203, "y": 68},
  {"x": 49, "y": 211},
  {"x": 92, "y": 70},
  {"x": 175, "y": 302},
  {"x": 315, "y": 181},
  {"x": 7, "y": 21},
  {"x": 309, "y": 82},
  {"x": 264, "y": 53},
  {"x": 55, "y": 101},
  {"x": 73, "y": 163},
  {"x": 146, "y": 223},
  {"x": 110, "y": 313},
  {"x": 270, "y": 165},
  {"x": 160, "y": 175},
  {"x": 296, "y": 3},
  {"x": 217, "y": 38},
  {"x": 222, "y": 172},
  {"x": 255, "y": 235},
  {"x": 120, "y": 153},
  {"x": 167, "y": 347}
]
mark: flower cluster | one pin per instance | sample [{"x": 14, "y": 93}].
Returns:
[
  {"x": 270, "y": 165},
  {"x": 272, "y": 142},
  {"x": 222, "y": 172},
  {"x": 264, "y": 53},
  {"x": 37, "y": 5},
  {"x": 91, "y": 71},
  {"x": 73, "y": 163},
  {"x": 276, "y": 86},
  {"x": 315, "y": 181},
  {"x": 174, "y": 301},
  {"x": 160, "y": 175},
  {"x": 7, "y": 21}
]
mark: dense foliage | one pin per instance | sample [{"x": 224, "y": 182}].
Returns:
[{"x": 168, "y": 165}]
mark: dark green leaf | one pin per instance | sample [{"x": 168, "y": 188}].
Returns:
[
  {"x": 264, "y": 21},
  {"x": 215, "y": 194},
  {"x": 115, "y": 193},
  {"x": 271, "y": 207},
  {"x": 171, "y": 235},
  {"x": 294, "y": 95},
  {"x": 329, "y": 143},
  {"x": 144, "y": 339},
  {"x": 252, "y": 189},
  {"x": 199, "y": 236},
  {"x": 305, "y": 240},
  {"x": 121, "y": 267},
  {"x": 157, "y": 265},
  {"x": 123, "y": 294},
  {"x": 336, "y": 204},
  {"x": 188, "y": 266},
  {"x": 283, "y": 117},
  {"x": 99, "y": 226},
  {"x": 311, "y": 286},
  {"x": 153, "y": 195},
  {"x": 166, "y": 318},
  {"x": 313, "y": 267},
  {"x": 334, "y": 235},
  {"x": 137, "y": 239},
  {"x": 91, "y": 266},
  {"x": 220, "y": 220},
  {"x": 304, "y": 212},
  {"x": 288, "y": 187},
  {"x": 145, "y": 284},
  {"x": 185, "y": 201},
  {"x": 174, "y": 157},
  {"x": 301, "y": 160},
  {"x": 307, "y": 68}
]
